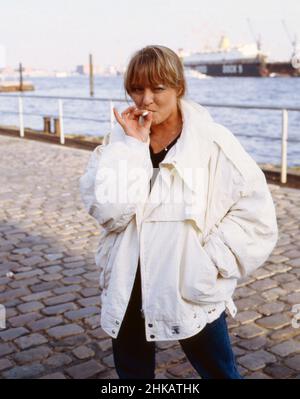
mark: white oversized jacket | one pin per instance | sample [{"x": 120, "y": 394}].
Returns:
[{"x": 193, "y": 251}]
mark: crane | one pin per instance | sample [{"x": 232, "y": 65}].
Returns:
[
  {"x": 294, "y": 42},
  {"x": 256, "y": 38}
]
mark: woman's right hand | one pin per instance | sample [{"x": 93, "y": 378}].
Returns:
[{"x": 130, "y": 122}]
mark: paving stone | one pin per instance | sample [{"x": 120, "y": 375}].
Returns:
[
  {"x": 264, "y": 284},
  {"x": 256, "y": 360},
  {"x": 59, "y": 299},
  {"x": 13, "y": 333},
  {"x": 248, "y": 331},
  {"x": 12, "y": 294},
  {"x": 37, "y": 296},
  {"x": 6, "y": 349},
  {"x": 5, "y": 364},
  {"x": 108, "y": 361},
  {"x": 293, "y": 362},
  {"x": 273, "y": 294},
  {"x": 33, "y": 261},
  {"x": 270, "y": 308},
  {"x": 90, "y": 292},
  {"x": 92, "y": 322},
  {"x": 70, "y": 259},
  {"x": 85, "y": 370},
  {"x": 51, "y": 277},
  {"x": 249, "y": 303},
  {"x": 81, "y": 313},
  {"x": 58, "y": 360},
  {"x": 64, "y": 331},
  {"x": 284, "y": 278},
  {"x": 279, "y": 371},
  {"x": 286, "y": 348},
  {"x": 294, "y": 262},
  {"x": 83, "y": 352},
  {"x": 22, "y": 320},
  {"x": 70, "y": 288},
  {"x": 244, "y": 292},
  {"x": 105, "y": 344},
  {"x": 275, "y": 321},
  {"x": 291, "y": 286},
  {"x": 99, "y": 333},
  {"x": 280, "y": 268},
  {"x": 47, "y": 286},
  {"x": 261, "y": 273},
  {"x": 93, "y": 300},
  {"x": 30, "y": 307},
  {"x": 253, "y": 343},
  {"x": 71, "y": 342},
  {"x": 30, "y": 340},
  {"x": 285, "y": 333},
  {"x": 28, "y": 371},
  {"x": 293, "y": 298},
  {"x": 33, "y": 354},
  {"x": 180, "y": 370},
  {"x": 277, "y": 259},
  {"x": 45, "y": 323},
  {"x": 247, "y": 317},
  {"x": 58, "y": 309}
]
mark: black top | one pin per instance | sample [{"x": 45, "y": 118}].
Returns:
[{"x": 156, "y": 158}]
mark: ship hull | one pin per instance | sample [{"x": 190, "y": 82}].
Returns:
[{"x": 249, "y": 69}]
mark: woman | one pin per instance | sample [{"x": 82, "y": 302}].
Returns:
[{"x": 173, "y": 244}]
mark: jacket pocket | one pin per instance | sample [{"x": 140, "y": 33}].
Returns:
[
  {"x": 222, "y": 291},
  {"x": 198, "y": 274}
]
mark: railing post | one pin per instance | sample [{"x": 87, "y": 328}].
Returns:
[
  {"x": 284, "y": 138},
  {"x": 21, "y": 120},
  {"x": 60, "y": 114}
]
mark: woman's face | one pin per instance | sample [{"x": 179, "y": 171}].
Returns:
[{"x": 160, "y": 99}]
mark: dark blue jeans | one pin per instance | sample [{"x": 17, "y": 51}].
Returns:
[{"x": 209, "y": 351}]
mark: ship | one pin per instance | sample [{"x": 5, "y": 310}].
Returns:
[{"x": 246, "y": 60}]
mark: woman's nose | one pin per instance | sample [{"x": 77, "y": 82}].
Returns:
[{"x": 147, "y": 97}]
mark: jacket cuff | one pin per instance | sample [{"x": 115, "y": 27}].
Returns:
[{"x": 132, "y": 141}]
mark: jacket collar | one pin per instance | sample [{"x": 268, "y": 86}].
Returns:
[
  {"x": 193, "y": 148},
  {"x": 188, "y": 157}
]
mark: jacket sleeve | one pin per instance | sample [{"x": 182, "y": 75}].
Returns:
[
  {"x": 116, "y": 180},
  {"x": 247, "y": 234}
]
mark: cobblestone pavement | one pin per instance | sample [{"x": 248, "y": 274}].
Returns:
[{"x": 48, "y": 241}]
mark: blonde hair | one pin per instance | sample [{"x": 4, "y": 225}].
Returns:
[{"x": 153, "y": 65}]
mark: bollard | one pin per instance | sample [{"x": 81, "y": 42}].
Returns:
[
  {"x": 57, "y": 129},
  {"x": 47, "y": 124}
]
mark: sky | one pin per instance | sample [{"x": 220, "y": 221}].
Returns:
[{"x": 60, "y": 34}]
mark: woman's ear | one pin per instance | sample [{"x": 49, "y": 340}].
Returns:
[{"x": 179, "y": 91}]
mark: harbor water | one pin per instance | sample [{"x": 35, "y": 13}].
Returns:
[{"x": 258, "y": 130}]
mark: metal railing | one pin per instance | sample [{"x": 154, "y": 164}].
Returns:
[{"x": 284, "y": 111}]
